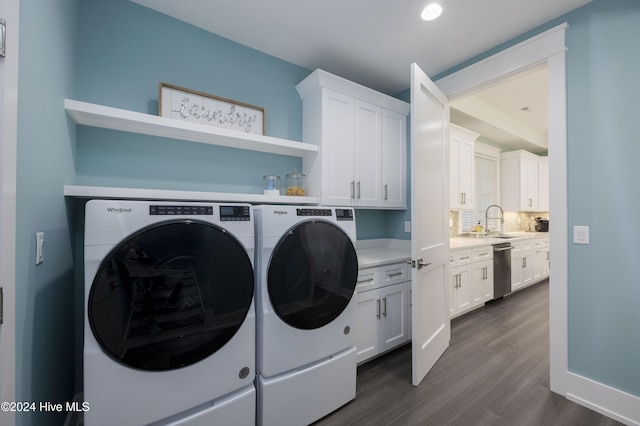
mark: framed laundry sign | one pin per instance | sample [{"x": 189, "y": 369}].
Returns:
[{"x": 193, "y": 106}]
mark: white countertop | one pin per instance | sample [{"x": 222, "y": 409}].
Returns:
[
  {"x": 379, "y": 252},
  {"x": 372, "y": 253},
  {"x": 470, "y": 242}
]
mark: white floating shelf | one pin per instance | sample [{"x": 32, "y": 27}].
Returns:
[
  {"x": 89, "y": 114},
  {"x": 92, "y": 192}
]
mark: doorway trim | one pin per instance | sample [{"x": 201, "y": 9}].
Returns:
[
  {"x": 8, "y": 156},
  {"x": 549, "y": 48}
]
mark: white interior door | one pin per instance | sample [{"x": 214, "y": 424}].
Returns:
[
  {"x": 8, "y": 131},
  {"x": 431, "y": 329}
]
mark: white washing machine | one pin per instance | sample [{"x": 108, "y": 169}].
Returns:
[
  {"x": 307, "y": 267},
  {"x": 169, "y": 332}
]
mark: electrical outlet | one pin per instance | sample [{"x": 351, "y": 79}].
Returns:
[{"x": 407, "y": 226}]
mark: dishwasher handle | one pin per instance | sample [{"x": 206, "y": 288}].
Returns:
[{"x": 502, "y": 249}]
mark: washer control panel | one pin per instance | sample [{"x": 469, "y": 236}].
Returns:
[
  {"x": 314, "y": 212},
  {"x": 175, "y": 210}
]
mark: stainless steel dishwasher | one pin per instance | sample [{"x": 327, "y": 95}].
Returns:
[{"x": 501, "y": 269}]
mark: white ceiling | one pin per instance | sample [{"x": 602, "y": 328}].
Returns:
[
  {"x": 511, "y": 113},
  {"x": 369, "y": 42}
]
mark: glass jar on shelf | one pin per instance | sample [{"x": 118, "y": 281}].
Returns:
[
  {"x": 271, "y": 185},
  {"x": 295, "y": 184}
]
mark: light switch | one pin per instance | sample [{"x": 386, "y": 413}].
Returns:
[
  {"x": 407, "y": 226},
  {"x": 39, "y": 247},
  {"x": 581, "y": 235}
]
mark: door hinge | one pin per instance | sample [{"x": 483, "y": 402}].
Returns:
[
  {"x": 3, "y": 38},
  {"x": 412, "y": 263}
]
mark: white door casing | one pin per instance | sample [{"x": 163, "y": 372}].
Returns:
[
  {"x": 8, "y": 145},
  {"x": 431, "y": 329}
]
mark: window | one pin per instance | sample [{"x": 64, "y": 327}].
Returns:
[{"x": 487, "y": 187}]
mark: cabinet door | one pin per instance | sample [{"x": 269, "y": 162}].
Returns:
[
  {"x": 460, "y": 285},
  {"x": 481, "y": 282},
  {"x": 367, "y": 324},
  {"x": 367, "y": 154},
  {"x": 521, "y": 269},
  {"x": 488, "y": 282},
  {"x": 394, "y": 159},
  {"x": 529, "y": 189},
  {"x": 338, "y": 149},
  {"x": 461, "y": 171},
  {"x": 543, "y": 184},
  {"x": 461, "y": 163},
  {"x": 394, "y": 316}
]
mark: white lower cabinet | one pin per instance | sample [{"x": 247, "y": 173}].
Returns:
[
  {"x": 382, "y": 309},
  {"x": 540, "y": 259},
  {"x": 470, "y": 278},
  {"x": 529, "y": 262},
  {"x": 481, "y": 275}
]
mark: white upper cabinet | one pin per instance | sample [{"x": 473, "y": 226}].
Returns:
[
  {"x": 520, "y": 182},
  {"x": 461, "y": 167},
  {"x": 394, "y": 159},
  {"x": 543, "y": 184},
  {"x": 361, "y": 135}
]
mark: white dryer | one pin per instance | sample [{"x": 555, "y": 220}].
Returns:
[
  {"x": 307, "y": 267},
  {"x": 169, "y": 329}
]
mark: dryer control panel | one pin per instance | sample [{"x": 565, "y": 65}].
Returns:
[
  {"x": 235, "y": 213},
  {"x": 344, "y": 214}
]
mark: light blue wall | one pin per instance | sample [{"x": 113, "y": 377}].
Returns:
[
  {"x": 603, "y": 65},
  {"x": 125, "y": 50},
  {"x": 45, "y": 150}
]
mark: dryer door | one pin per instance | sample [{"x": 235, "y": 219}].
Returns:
[
  {"x": 170, "y": 295},
  {"x": 312, "y": 274}
]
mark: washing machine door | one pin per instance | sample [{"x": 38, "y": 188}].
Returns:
[
  {"x": 312, "y": 274},
  {"x": 170, "y": 295}
]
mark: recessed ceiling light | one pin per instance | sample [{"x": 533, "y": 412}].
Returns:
[{"x": 431, "y": 12}]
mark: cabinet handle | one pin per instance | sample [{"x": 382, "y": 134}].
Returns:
[
  {"x": 530, "y": 202},
  {"x": 386, "y": 193},
  {"x": 358, "y": 190},
  {"x": 524, "y": 262},
  {"x": 378, "y": 315},
  {"x": 395, "y": 274},
  {"x": 353, "y": 189},
  {"x": 384, "y": 313},
  {"x": 366, "y": 280}
]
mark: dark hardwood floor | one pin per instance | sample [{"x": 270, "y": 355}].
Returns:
[{"x": 495, "y": 372}]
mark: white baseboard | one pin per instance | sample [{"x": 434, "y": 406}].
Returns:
[{"x": 608, "y": 401}]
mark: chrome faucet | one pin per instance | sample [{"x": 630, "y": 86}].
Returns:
[{"x": 486, "y": 218}]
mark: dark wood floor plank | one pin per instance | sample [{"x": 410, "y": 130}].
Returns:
[{"x": 495, "y": 373}]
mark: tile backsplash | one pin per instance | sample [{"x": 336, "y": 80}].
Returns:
[{"x": 513, "y": 222}]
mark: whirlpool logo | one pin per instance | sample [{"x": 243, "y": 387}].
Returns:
[
  {"x": 280, "y": 212},
  {"x": 118, "y": 210}
]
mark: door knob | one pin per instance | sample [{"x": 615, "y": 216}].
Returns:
[{"x": 422, "y": 263}]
